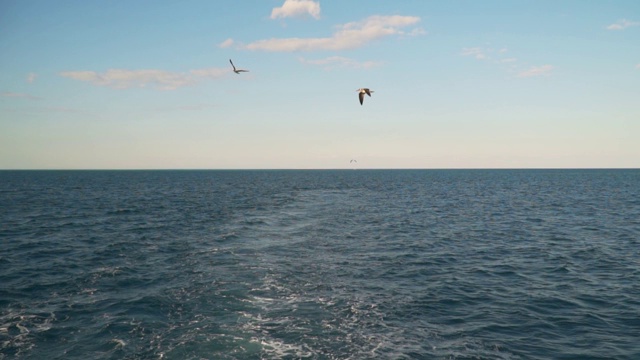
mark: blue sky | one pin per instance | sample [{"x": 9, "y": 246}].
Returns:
[{"x": 458, "y": 84}]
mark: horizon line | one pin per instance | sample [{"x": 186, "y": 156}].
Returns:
[{"x": 319, "y": 169}]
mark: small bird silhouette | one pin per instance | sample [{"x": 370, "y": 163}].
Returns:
[
  {"x": 361, "y": 93},
  {"x": 237, "y": 71}
]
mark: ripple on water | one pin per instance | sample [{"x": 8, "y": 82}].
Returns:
[{"x": 320, "y": 265}]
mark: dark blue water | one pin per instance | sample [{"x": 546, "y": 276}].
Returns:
[{"x": 398, "y": 264}]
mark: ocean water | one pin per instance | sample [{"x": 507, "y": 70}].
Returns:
[{"x": 364, "y": 264}]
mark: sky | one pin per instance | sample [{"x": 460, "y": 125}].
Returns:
[{"x": 147, "y": 84}]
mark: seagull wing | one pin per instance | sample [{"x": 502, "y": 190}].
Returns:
[
  {"x": 234, "y": 67},
  {"x": 361, "y": 96},
  {"x": 368, "y": 92}
]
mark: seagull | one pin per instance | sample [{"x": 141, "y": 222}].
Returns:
[
  {"x": 237, "y": 71},
  {"x": 361, "y": 93},
  {"x": 353, "y": 161}
]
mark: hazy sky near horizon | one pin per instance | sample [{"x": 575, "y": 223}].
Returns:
[{"x": 147, "y": 84}]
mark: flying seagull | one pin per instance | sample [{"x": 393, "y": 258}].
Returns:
[
  {"x": 237, "y": 71},
  {"x": 353, "y": 161},
  {"x": 361, "y": 93}
]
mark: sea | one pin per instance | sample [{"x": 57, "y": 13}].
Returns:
[{"x": 320, "y": 264}]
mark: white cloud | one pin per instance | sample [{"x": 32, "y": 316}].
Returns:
[
  {"x": 160, "y": 79},
  {"x": 339, "y": 61},
  {"x": 622, "y": 24},
  {"x": 227, "y": 43},
  {"x": 536, "y": 71},
  {"x": 348, "y": 36},
  {"x": 293, "y": 8},
  {"x": 31, "y": 77}
]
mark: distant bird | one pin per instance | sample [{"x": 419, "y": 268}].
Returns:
[
  {"x": 361, "y": 93},
  {"x": 237, "y": 71},
  {"x": 353, "y": 161}
]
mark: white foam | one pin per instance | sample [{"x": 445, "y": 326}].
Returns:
[
  {"x": 23, "y": 329},
  {"x": 119, "y": 343},
  {"x": 279, "y": 349},
  {"x": 20, "y": 328}
]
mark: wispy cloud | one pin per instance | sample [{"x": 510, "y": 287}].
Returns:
[
  {"x": 210, "y": 73},
  {"x": 502, "y": 58},
  {"x": 190, "y": 108},
  {"x": 482, "y": 53},
  {"x": 294, "y": 8},
  {"x": 225, "y": 44},
  {"x": 60, "y": 109},
  {"x": 536, "y": 71},
  {"x": 159, "y": 79},
  {"x": 340, "y": 62},
  {"x": 638, "y": 66},
  {"x": 19, "y": 95},
  {"x": 31, "y": 77},
  {"x": 623, "y": 24},
  {"x": 348, "y": 36},
  {"x": 417, "y": 32},
  {"x": 476, "y": 52}
]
